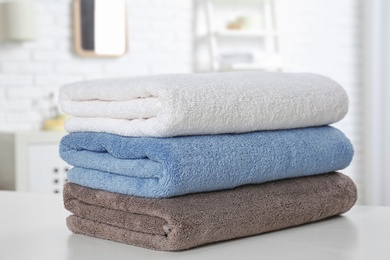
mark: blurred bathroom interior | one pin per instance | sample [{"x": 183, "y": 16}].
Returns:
[{"x": 42, "y": 48}]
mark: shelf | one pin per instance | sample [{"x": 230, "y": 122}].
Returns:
[
  {"x": 239, "y": 34},
  {"x": 249, "y": 66},
  {"x": 244, "y": 33},
  {"x": 241, "y": 1},
  {"x": 242, "y": 67}
]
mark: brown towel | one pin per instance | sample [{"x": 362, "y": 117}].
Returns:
[{"x": 187, "y": 221}]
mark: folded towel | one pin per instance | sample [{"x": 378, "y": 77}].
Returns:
[
  {"x": 193, "y": 104},
  {"x": 192, "y": 220},
  {"x": 164, "y": 167}
]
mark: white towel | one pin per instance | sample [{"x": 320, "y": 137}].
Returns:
[{"x": 194, "y": 104}]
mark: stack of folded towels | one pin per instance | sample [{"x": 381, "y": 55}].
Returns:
[{"x": 171, "y": 162}]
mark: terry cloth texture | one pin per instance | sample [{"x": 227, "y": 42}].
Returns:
[
  {"x": 194, "y": 104},
  {"x": 192, "y": 220},
  {"x": 165, "y": 167}
]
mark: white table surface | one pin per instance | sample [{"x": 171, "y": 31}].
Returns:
[{"x": 32, "y": 226}]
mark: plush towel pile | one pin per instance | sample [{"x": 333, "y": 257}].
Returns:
[
  {"x": 192, "y": 220},
  {"x": 193, "y": 104},
  {"x": 165, "y": 167},
  {"x": 192, "y": 188}
]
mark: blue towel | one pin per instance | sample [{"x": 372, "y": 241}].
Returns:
[{"x": 165, "y": 167}]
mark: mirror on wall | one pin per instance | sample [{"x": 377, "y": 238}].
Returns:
[{"x": 100, "y": 27}]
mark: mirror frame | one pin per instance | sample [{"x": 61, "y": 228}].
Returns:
[{"x": 77, "y": 34}]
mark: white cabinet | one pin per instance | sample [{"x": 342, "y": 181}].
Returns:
[{"x": 29, "y": 161}]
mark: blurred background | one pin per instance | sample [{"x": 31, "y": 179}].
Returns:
[{"x": 47, "y": 43}]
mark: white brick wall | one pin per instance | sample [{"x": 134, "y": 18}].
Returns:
[
  {"x": 160, "y": 41},
  {"x": 14, "y": 53},
  {"x": 15, "y": 80},
  {"x": 27, "y": 67}
]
